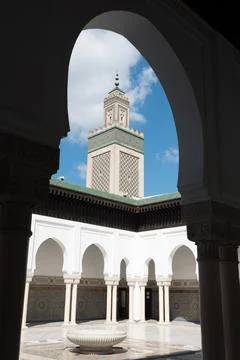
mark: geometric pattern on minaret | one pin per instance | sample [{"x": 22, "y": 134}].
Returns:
[{"x": 115, "y": 162}]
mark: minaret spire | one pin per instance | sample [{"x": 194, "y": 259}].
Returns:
[{"x": 117, "y": 80}]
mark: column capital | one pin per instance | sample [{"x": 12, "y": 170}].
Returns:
[
  {"x": 28, "y": 279},
  {"x": 228, "y": 253},
  {"x": 71, "y": 278},
  {"x": 111, "y": 280},
  {"x": 108, "y": 282},
  {"x": 142, "y": 280},
  {"x": 131, "y": 282},
  {"x": 76, "y": 281},
  {"x": 29, "y": 276},
  {"x": 162, "y": 281},
  {"x": 76, "y": 277},
  {"x": 68, "y": 280},
  {"x": 212, "y": 222}
]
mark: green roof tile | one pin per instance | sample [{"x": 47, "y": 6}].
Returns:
[{"x": 108, "y": 196}]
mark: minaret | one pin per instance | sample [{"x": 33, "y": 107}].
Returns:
[{"x": 116, "y": 151}]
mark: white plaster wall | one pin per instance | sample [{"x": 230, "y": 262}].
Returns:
[
  {"x": 149, "y": 248},
  {"x": 174, "y": 239},
  {"x": 102, "y": 238},
  {"x": 136, "y": 248},
  {"x": 62, "y": 231},
  {"x": 160, "y": 246},
  {"x": 114, "y": 245},
  {"x": 124, "y": 247}
]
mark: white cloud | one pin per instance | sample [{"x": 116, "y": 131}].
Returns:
[
  {"x": 137, "y": 117},
  {"x": 171, "y": 155},
  {"x": 96, "y": 57},
  {"x": 157, "y": 156},
  {"x": 82, "y": 170},
  {"x": 146, "y": 79}
]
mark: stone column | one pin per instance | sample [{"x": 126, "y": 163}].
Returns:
[
  {"x": 74, "y": 301},
  {"x": 114, "y": 301},
  {"x": 210, "y": 301},
  {"x": 206, "y": 231},
  {"x": 166, "y": 285},
  {"x": 68, "y": 282},
  {"x": 230, "y": 299},
  {"x": 25, "y": 171},
  {"x": 15, "y": 223},
  {"x": 142, "y": 285},
  {"x": 25, "y": 303},
  {"x": 131, "y": 285},
  {"x": 160, "y": 302},
  {"x": 109, "y": 283}
]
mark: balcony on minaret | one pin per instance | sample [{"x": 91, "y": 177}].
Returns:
[{"x": 99, "y": 130}]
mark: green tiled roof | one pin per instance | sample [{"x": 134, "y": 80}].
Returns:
[{"x": 108, "y": 196}]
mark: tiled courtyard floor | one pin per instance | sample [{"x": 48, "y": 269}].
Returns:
[{"x": 149, "y": 340}]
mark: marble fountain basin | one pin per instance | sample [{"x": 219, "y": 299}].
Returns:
[{"x": 96, "y": 341}]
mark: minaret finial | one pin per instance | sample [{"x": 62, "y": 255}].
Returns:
[{"x": 116, "y": 80}]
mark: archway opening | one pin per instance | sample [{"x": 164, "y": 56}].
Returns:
[
  {"x": 91, "y": 297},
  {"x": 123, "y": 293},
  {"x": 151, "y": 293},
  {"x": 184, "y": 291},
  {"x": 47, "y": 290},
  {"x": 175, "y": 82},
  {"x": 169, "y": 69}
]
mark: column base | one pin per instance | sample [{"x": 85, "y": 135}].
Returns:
[{"x": 164, "y": 323}]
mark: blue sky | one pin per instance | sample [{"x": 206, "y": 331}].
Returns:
[{"x": 96, "y": 57}]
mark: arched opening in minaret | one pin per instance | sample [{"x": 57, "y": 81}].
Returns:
[{"x": 126, "y": 132}]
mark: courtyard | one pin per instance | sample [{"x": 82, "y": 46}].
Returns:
[{"x": 180, "y": 340}]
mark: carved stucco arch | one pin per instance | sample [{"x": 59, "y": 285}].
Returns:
[
  {"x": 128, "y": 266},
  {"x": 61, "y": 246},
  {"x": 146, "y": 267},
  {"x": 104, "y": 255},
  {"x": 173, "y": 252}
]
